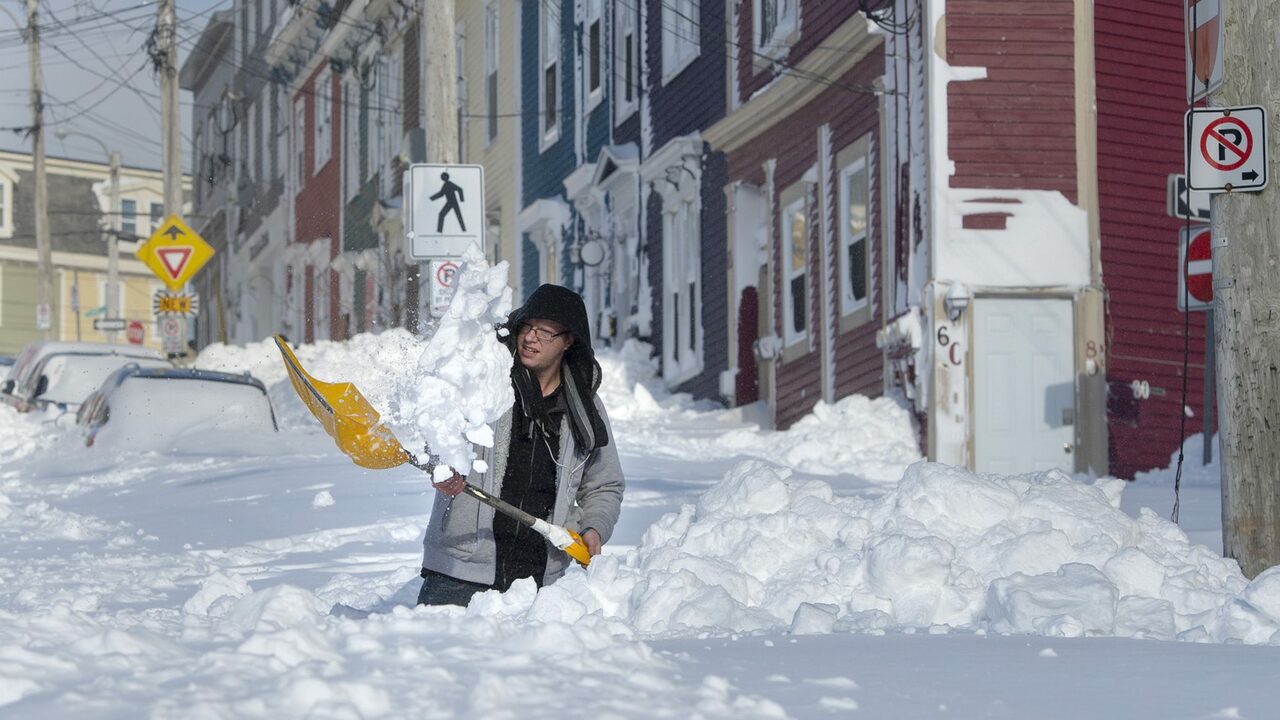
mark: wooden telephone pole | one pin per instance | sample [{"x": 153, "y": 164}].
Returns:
[
  {"x": 44, "y": 240},
  {"x": 1246, "y": 273}
]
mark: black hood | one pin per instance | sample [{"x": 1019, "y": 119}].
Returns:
[
  {"x": 560, "y": 305},
  {"x": 580, "y": 372}
]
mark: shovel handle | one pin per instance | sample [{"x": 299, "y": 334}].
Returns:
[{"x": 577, "y": 550}]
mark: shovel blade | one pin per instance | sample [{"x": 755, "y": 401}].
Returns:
[{"x": 346, "y": 415}]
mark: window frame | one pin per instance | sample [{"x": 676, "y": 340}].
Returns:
[
  {"x": 625, "y": 38},
  {"x": 549, "y": 128},
  {"x": 6, "y": 207},
  {"x": 124, "y": 219},
  {"x": 680, "y": 50},
  {"x": 854, "y": 159},
  {"x": 350, "y": 140},
  {"x": 793, "y": 201},
  {"x": 683, "y": 334},
  {"x": 300, "y": 141},
  {"x": 784, "y": 30},
  {"x": 322, "y": 96},
  {"x": 593, "y": 57}
]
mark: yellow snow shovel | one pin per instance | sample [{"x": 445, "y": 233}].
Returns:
[{"x": 354, "y": 426}]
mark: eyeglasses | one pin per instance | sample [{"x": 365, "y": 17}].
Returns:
[{"x": 541, "y": 334}]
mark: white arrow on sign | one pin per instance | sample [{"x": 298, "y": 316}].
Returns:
[{"x": 1185, "y": 203}]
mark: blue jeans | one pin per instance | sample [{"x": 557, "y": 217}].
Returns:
[{"x": 440, "y": 589}]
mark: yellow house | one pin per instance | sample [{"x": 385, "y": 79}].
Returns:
[{"x": 79, "y": 220}]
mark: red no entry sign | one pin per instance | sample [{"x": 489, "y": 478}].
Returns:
[{"x": 1196, "y": 269}]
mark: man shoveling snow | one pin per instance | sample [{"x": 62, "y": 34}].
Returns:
[{"x": 553, "y": 458}]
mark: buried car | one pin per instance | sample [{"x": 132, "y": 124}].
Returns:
[
  {"x": 149, "y": 407},
  {"x": 64, "y": 373}
]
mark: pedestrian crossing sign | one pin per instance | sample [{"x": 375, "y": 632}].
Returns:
[
  {"x": 175, "y": 253},
  {"x": 445, "y": 210}
]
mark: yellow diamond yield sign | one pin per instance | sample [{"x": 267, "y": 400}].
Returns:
[{"x": 175, "y": 253}]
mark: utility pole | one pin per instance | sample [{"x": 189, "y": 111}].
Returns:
[
  {"x": 44, "y": 245},
  {"x": 1246, "y": 290},
  {"x": 442, "y": 114},
  {"x": 113, "y": 246},
  {"x": 442, "y": 83},
  {"x": 170, "y": 118}
]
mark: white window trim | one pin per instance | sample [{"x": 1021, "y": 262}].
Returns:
[
  {"x": 594, "y": 14},
  {"x": 624, "y": 109},
  {"x": 849, "y": 304},
  {"x": 263, "y": 172},
  {"x": 6, "y": 207},
  {"x": 300, "y": 142},
  {"x": 322, "y": 92},
  {"x": 791, "y": 206},
  {"x": 135, "y": 214},
  {"x": 785, "y": 33},
  {"x": 350, "y": 139},
  {"x": 548, "y": 135},
  {"x": 281, "y": 160},
  {"x": 682, "y": 234},
  {"x": 678, "y": 56},
  {"x": 251, "y": 157}
]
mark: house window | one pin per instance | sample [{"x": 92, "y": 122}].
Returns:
[
  {"x": 593, "y": 46},
  {"x": 351, "y": 138},
  {"x": 300, "y": 143},
  {"x": 252, "y": 158},
  {"x": 129, "y": 218},
  {"x": 852, "y": 218},
  {"x": 626, "y": 62},
  {"x": 773, "y": 24},
  {"x": 6, "y": 225},
  {"x": 251, "y": 32},
  {"x": 157, "y": 216},
  {"x": 491, "y": 40},
  {"x": 281, "y": 159},
  {"x": 795, "y": 268},
  {"x": 680, "y": 24},
  {"x": 262, "y": 171},
  {"x": 323, "y": 93},
  {"x": 389, "y": 113},
  {"x": 682, "y": 335},
  {"x": 549, "y": 80}
]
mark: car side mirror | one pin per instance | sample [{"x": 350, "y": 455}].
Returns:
[
  {"x": 8, "y": 387},
  {"x": 41, "y": 385}
]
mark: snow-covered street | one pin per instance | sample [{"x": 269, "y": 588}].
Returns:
[{"x": 812, "y": 573}]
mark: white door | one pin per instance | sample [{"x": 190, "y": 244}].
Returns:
[{"x": 1024, "y": 385}]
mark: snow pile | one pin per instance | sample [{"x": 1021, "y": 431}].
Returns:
[
  {"x": 443, "y": 392},
  {"x": 1194, "y": 472},
  {"x": 1035, "y": 554},
  {"x": 461, "y": 382},
  {"x": 874, "y": 438},
  {"x": 22, "y": 434}
]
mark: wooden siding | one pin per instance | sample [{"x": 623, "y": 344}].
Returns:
[
  {"x": 694, "y": 99},
  {"x": 1015, "y": 129},
  {"x": 1140, "y": 106},
  {"x": 793, "y": 142},
  {"x": 818, "y": 18}
]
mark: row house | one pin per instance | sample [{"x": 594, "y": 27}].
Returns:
[
  {"x": 81, "y": 218},
  {"x": 791, "y": 201},
  {"x": 803, "y": 143}
]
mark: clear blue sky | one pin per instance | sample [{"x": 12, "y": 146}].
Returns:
[{"x": 98, "y": 79}]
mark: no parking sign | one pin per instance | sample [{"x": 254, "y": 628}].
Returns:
[
  {"x": 1228, "y": 149},
  {"x": 443, "y": 273}
]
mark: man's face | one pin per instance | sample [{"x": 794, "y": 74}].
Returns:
[{"x": 541, "y": 343}]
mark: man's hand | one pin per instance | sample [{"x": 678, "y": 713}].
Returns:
[
  {"x": 452, "y": 486},
  {"x": 592, "y": 540}
]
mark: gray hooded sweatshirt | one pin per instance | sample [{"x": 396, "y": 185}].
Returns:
[{"x": 459, "y": 539}]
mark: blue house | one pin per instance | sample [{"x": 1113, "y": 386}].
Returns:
[{"x": 622, "y": 199}]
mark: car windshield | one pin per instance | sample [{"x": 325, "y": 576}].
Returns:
[{"x": 158, "y": 413}]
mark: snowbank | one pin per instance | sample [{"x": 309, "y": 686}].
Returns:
[
  {"x": 1038, "y": 554},
  {"x": 1194, "y": 472}
]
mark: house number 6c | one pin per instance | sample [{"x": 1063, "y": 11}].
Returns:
[{"x": 953, "y": 349}]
